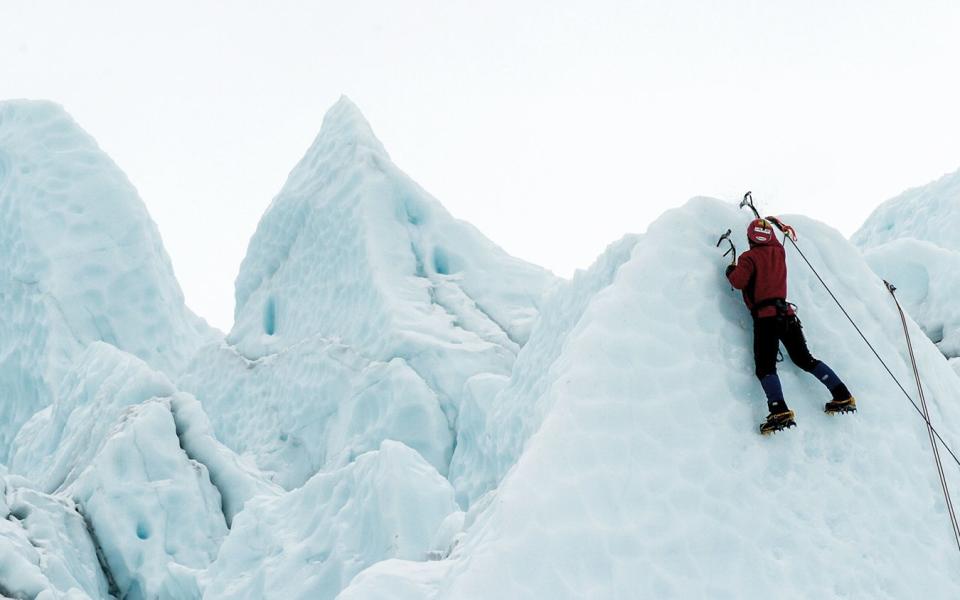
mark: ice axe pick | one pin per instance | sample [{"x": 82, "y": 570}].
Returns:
[
  {"x": 733, "y": 249},
  {"x": 748, "y": 201}
]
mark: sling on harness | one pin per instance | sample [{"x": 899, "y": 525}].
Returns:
[{"x": 780, "y": 304}]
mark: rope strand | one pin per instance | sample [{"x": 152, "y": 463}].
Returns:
[
  {"x": 926, "y": 414},
  {"x": 875, "y": 353}
]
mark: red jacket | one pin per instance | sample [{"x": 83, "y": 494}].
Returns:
[{"x": 761, "y": 273}]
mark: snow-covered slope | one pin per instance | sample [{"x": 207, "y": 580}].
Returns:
[
  {"x": 911, "y": 241},
  {"x": 640, "y": 473},
  {"x": 362, "y": 309},
  {"x": 82, "y": 262}
]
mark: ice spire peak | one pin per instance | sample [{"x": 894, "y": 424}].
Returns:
[{"x": 345, "y": 126}]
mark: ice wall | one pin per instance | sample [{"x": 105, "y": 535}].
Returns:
[
  {"x": 309, "y": 544},
  {"x": 641, "y": 473},
  {"x": 317, "y": 406},
  {"x": 45, "y": 549},
  {"x": 360, "y": 298},
  {"x": 930, "y": 212},
  {"x": 387, "y": 360},
  {"x": 82, "y": 262},
  {"x": 911, "y": 241},
  {"x": 500, "y": 414},
  {"x": 136, "y": 462}
]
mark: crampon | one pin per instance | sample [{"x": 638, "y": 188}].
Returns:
[
  {"x": 835, "y": 407},
  {"x": 777, "y": 422}
]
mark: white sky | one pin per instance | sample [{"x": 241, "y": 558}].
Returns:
[{"x": 553, "y": 126}]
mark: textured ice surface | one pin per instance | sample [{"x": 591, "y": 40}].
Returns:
[
  {"x": 317, "y": 405},
  {"x": 81, "y": 261},
  {"x": 397, "y": 579},
  {"x": 930, "y": 212},
  {"x": 56, "y": 444},
  {"x": 151, "y": 508},
  {"x": 927, "y": 278},
  {"x": 139, "y": 459},
  {"x": 236, "y": 479},
  {"x": 602, "y": 438},
  {"x": 309, "y": 543},
  {"x": 645, "y": 476},
  {"x": 45, "y": 551},
  {"x": 911, "y": 241},
  {"x": 362, "y": 309},
  {"x": 352, "y": 247},
  {"x": 495, "y": 423}
]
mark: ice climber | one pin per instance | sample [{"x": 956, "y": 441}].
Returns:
[{"x": 761, "y": 273}]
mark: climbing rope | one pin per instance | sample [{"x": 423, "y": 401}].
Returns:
[
  {"x": 875, "y": 353},
  {"x": 926, "y": 415}
]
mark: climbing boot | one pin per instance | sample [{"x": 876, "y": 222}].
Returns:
[
  {"x": 847, "y": 405},
  {"x": 777, "y": 421}
]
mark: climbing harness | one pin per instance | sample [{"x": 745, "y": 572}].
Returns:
[{"x": 923, "y": 412}]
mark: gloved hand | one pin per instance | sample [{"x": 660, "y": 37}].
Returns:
[
  {"x": 730, "y": 269},
  {"x": 786, "y": 229}
]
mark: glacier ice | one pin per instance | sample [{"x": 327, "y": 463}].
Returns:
[
  {"x": 316, "y": 406},
  {"x": 910, "y": 241},
  {"x": 402, "y": 411},
  {"x": 82, "y": 262},
  {"x": 114, "y": 436},
  {"x": 236, "y": 479},
  {"x": 930, "y": 212},
  {"x": 139, "y": 461},
  {"x": 152, "y": 509},
  {"x": 362, "y": 309},
  {"x": 641, "y": 477},
  {"x": 397, "y": 579},
  {"x": 45, "y": 551},
  {"x": 515, "y": 408},
  {"x": 105, "y": 384},
  {"x": 924, "y": 274},
  {"x": 309, "y": 543},
  {"x": 353, "y": 250},
  {"x": 58, "y": 442}
]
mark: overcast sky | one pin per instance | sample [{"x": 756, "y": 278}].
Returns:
[{"x": 553, "y": 126}]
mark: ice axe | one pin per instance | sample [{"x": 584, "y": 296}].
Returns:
[
  {"x": 748, "y": 201},
  {"x": 733, "y": 249},
  {"x": 783, "y": 227}
]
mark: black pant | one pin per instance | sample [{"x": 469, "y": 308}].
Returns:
[{"x": 768, "y": 332}]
